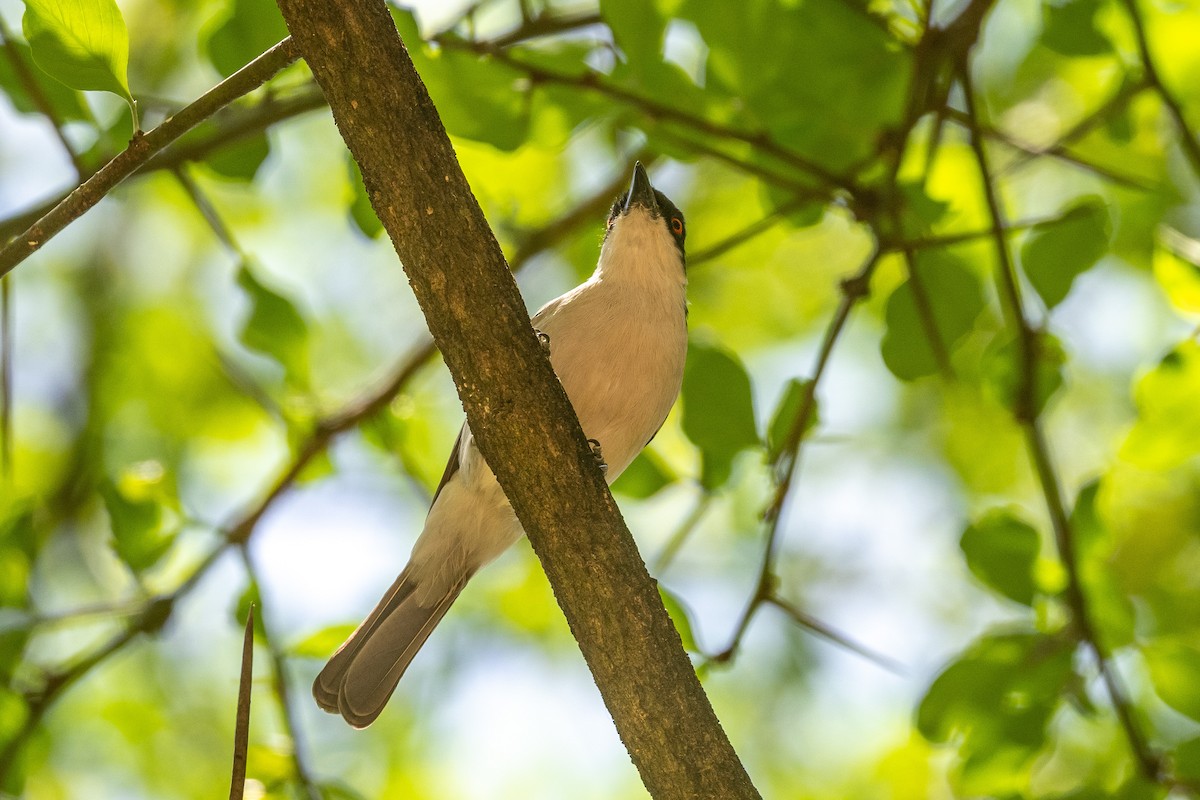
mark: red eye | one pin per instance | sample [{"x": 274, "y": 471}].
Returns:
[
  {"x": 611, "y": 220},
  {"x": 677, "y": 226}
]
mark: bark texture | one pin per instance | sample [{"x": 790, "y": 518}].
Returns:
[{"x": 517, "y": 409}]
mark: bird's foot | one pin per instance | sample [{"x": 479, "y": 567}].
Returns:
[
  {"x": 596, "y": 454},
  {"x": 543, "y": 340}
]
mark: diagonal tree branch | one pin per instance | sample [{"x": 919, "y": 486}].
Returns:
[
  {"x": 140, "y": 149},
  {"x": 518, "y": 412}
]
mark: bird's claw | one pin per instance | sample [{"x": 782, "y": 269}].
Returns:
[
  {"x": 599, "y": 456},
  {"x": 543, "y": 340}
]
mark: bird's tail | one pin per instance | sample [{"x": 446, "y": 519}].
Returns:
[{"x": 361, "y": 676}]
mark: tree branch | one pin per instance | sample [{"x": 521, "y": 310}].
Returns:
[
  {"x": 140, "y": 149},
  {"x": 1025, "y": 411},
  {"x": 521, "y": 418}
]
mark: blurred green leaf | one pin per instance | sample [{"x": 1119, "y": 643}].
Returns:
[
  {"x": 718, "y": 412},
  {"x": 1187, "y": 760},
  {"x": 1069, "y": 27},
  {"x": 644, "y": 477},
  {"x": 1001, "y": 550},
  {"x": 138, "y": 504},
  {"x": 997, "y": 698},
  {"x": 247, "y": 600},
  {"x": 477, "y": 98},
  {"x": 1054, "y": 255},
  {"x": 1174, "y": 667},
  {"x": 785, "y": 416},
  {"x": 251, "y": 28},
  {"x": 681, "y": 617},
  {"x": 953, "y": 299},
  {"x": 1177, "y": 268},
  {"x": 1167, "y": 432},
  {"x": 1111, "y": 610},
  {"x": 241, "y": 159},
  {"x": 274, "y": 327},
  {"x": 774, "y": 58},
  {"x": 82, "y": 43},
  {"x": 322, "y": 643},
  {"x": 638, "y": 28},
  {"x": 360, "y": 207},
  {"x": 1003, "y": 369},
  {"x": 66, "y": 103}
]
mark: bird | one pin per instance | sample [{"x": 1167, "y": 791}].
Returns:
[{"x": 618, "y": 343}]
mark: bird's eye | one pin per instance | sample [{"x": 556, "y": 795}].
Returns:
[
  {"x": 611, "y": 220},
  {"x": 677, "y": 226}
]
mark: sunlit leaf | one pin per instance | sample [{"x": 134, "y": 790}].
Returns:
[
  {"x": 1054, "y": 255},
  {"x": 637, "y": 26},
  {"x": 82, "y": 43},
  {"x": 1174, "y": 668},
  {"x": 718, "y": 412},
  {"x": 1001, "y": 550},
  {"x": 322, "y": 643},
  {"x": 1167, "y": 432},
  {"x": 1177, "y": 269}
]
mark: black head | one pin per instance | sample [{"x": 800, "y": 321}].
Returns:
[{"x": 641, "y": 195}]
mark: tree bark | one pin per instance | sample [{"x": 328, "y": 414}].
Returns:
[{"x": 521, "y": 418}]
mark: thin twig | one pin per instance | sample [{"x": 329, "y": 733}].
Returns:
[
  {"x": 681, "y": 534},
  {"x": 282, "y": 691},
  {"x": 241, "y": 731},
  {"x": 1187, "y": 137},
  {"x": 1025, "y": 411},
  {"x": 826, "y": 631}
]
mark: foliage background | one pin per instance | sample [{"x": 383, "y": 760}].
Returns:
[{"x": 221, "y": 393}]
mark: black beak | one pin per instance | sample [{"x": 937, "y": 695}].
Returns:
[{"x": 641, "y": 193}]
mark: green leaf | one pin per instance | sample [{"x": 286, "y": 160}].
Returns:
[
  {"x": 477, "y": 98},
  {"x": 1174, "y": 667},
  {"x": 274, "y": 327},
  {"x": 1055, "y": 254},
  {"x": 953, "y": 299},
  {"x": 1001, "y": 550},
  {"x": 785, "y": 416},
  {"x": 250, "y": 598},
  {"x": 1003, "y": 369},
  {"x": 644, "y": 477},
  {"x": 718, "y": 411},
  {"x": 252, "y": 27},
  {"x": 1167, "y": 432},
  {"x": 322, "y": 643},
  {"x": 360, "y": 207},
  {"x": 997, "y": 698},
  {"x": 681, "y": 617},
  {"x": 66, "y": 103},
  {"x": 138, "y": 503},
  {"x": 82, "y": 43},
  {"x": 1187, "y": 760},
  {"x": 241, "y": 159},
  {"x": 1070, "y": 28},
  {"x": 637, "y": 27}
]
